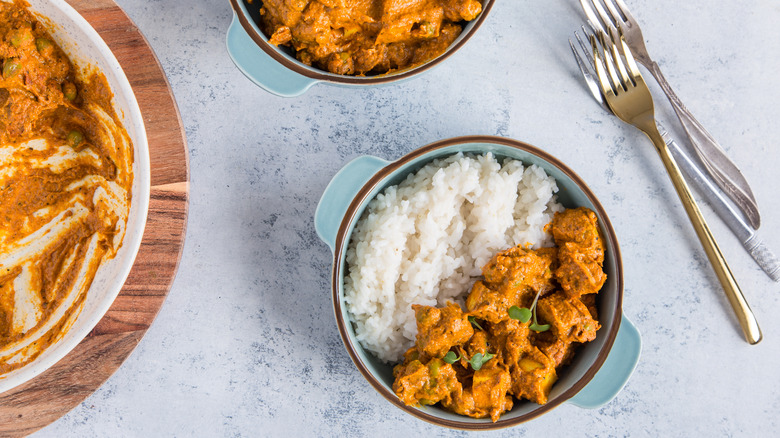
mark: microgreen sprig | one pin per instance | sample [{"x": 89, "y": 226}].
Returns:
[
  {"x": 451, "y": 357},
  {"x": 480, "y": 359},
  {"x": 473, "y": 320},
  {"x": 476, "y": 361},
  {"x": 524, "y": 314}
]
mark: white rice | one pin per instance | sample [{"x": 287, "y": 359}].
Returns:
[{"x": 426, "y": 240}]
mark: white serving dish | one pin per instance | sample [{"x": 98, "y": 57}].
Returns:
[{"x": 87, "y": 49}]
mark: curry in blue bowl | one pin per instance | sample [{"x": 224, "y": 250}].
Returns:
[
  {"x": 287, "y": 46},
  {"x": 461, "y": 350}
]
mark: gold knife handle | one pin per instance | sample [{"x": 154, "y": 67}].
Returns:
[{"x": 737, "y": 300}]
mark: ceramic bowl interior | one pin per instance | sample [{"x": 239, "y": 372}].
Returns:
[
  {"x": 249, "y": 16},
  {"x": 573, "y": 192},
  {"x": 87, "y": 49}
]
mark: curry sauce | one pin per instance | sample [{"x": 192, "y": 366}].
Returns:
[
  {"x": 358, "y": 37},
  {"x": 478, "y": 362},
  {"x": 65, "y": 182}
]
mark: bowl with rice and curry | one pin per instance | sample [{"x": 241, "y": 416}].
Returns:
[
  {"x": 477, "y": 282},
  {"x": 286, "y": 46},
  {"x": 74, "y": 184}
]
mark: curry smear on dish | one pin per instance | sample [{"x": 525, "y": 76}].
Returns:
[
  {"x": 524, "y": 320},
  {"x": 360, "y": 37},
  {"x": 65, "y": 184}
]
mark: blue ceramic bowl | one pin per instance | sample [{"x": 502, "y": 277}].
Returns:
[
  {"x": 276, "y": 69},
  {"x": 599, "y": 369}
]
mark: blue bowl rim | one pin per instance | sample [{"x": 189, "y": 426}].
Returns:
[
  {"x": 342, "y": 242},
  {"x": 314, "y": 73}
]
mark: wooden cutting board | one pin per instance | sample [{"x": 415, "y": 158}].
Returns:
[{"x": 51, "y": 395}]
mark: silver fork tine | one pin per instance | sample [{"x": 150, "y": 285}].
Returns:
[
  {"x": 617, "y": 16},
  {"x": 587, "y": 53},
  {"x": 586, "y": 69},
  {"x": 629, "y": 19},
  {"x": 606, "y": 19},
  {"x": 593, "y": 19}
]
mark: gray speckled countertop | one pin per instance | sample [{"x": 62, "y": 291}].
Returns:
[{"x": 246, "y": 343}]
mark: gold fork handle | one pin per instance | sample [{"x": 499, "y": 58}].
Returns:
[{"x": 737, "y": 300}]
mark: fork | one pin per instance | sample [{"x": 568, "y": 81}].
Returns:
[
  {"x": 724, "y": 172},
  {"x": 730, "y": 215},
  {"x": 629, "y": 98}
]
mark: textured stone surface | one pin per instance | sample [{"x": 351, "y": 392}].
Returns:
[{"x": 246, "y": 344}]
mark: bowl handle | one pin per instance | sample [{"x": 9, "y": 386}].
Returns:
[
  {"x": 339, "y": 193},
  {"x": 260, "y": 67},
  {"x": 615, "y": 371}
]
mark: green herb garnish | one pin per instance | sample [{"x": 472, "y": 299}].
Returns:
[
  {"x": 476, "y": 361},
  {"x": 480, "y": 359},
  {"x": 539, "y": 327},
  {"x": 451, "y": 357},
  {"x": 473, "y": 321},
  {"x": 524, "y": 314}
]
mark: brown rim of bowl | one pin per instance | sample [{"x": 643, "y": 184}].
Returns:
[
  {"x": 341, "y": 242},
  {"x": 315, "y": 73}
]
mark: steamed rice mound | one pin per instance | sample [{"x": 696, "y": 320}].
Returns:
[{"x": 426, "y": 240}]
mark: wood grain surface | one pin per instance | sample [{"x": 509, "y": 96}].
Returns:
[{"x": 51, "y": 395}]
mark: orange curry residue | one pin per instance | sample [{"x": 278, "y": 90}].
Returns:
[{"x": 65, "y": 183}]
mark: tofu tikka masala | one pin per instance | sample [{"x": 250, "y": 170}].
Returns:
[
  {"x": 524, "y": 320},
  {"x": 358, "y": 37}
]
